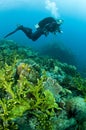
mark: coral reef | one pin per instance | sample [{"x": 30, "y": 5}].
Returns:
[
  {"x": 58, "y": 50},
  {"x": 39, "y": 93}
]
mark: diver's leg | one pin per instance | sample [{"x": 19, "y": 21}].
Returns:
[
  {"x": 26, "y": 30},
  {"x": 36, "y": 34}
]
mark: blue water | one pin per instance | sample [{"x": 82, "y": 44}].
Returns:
[{"x": 28, "y": 13}]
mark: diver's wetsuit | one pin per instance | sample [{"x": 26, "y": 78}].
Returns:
[
  {"x": 46, "y": 25},
  {"x": 28, "y": 32}
]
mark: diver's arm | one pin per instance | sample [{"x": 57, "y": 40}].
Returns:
[{"x": 11, "y": 33}]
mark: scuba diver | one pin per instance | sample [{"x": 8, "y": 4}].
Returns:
[{"x": 45, "y": 26}]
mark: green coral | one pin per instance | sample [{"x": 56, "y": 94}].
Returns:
[
  {"x": 24, "y": 96},
  {"x": 80, "y": 83}
]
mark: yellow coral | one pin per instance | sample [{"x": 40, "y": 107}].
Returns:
[{"x": 25, "y": 96}]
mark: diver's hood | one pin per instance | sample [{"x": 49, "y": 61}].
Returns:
[{"x": 59, "y": 21}]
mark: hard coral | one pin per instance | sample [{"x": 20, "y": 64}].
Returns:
[
  {"x": 24, "y": 97},
  {"x": 28, "y": 71},
  {"x": 76, "y": 107},
  {"x": 23, "y": 69}
]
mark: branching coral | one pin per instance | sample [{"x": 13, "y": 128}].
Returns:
[{"x": 24, "y": 96}]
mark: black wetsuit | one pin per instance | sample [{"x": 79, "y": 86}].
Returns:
[{"x": 48, "y": 24}]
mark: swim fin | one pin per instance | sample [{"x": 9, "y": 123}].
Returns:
[
  {"x": 19, "y": 27},
  {"x": 11, "y": 33}
]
